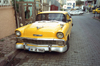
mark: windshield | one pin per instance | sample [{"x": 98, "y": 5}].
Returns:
[{"x": 51, "y": 16}]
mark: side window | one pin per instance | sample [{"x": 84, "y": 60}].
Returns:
[
  {"x": 5, "y": 1},
  {"x": 64, "y": 18},
  {"x": 43, "y": 17}
]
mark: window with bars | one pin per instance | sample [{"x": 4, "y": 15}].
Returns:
[
  {"x": 69, "y": 3},
  {"x": 5, "y": 1}
]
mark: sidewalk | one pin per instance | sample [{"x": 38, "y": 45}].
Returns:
[
  {"x": 7, "y": 47},
  {"x": 97, "y": 17}
]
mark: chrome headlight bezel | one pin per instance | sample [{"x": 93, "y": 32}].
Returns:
[
  {"x": 60, "y": 43},
  {"x": 60, "y": 35},
  {"x": 18, "y": 33}
]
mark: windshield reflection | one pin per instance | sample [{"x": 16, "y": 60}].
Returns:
[{"x": 51, "y": 16}]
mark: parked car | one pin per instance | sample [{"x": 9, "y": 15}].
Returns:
[
  {"x": 76, "y": 12},
  {"x": 50, "y": 32},
  {"x": 97, "y": 10},
  {"x": 77, "y": 8}
]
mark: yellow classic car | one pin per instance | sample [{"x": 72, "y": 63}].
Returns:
[
  {"x": 50, "y": 32},
  {"x": 97, "y": 10}
]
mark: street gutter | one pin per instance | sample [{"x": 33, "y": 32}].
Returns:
[
  {"x": 8, "y": 58},
  {"x": 96, "y": 18}
]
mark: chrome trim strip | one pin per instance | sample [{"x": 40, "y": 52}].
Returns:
[
  {"x": 35, "y": 44},
  {"x": 41, "y": 39},
  {"x": 48, "y": 48},
  {"x": 42, "y": 45}
]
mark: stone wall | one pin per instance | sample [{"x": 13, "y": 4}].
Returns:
[{"x": 7, "y": 21}]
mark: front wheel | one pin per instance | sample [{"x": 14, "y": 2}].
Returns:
[
  {"x": 72, "y": 24},
  {"x": 67, "y": 43}
]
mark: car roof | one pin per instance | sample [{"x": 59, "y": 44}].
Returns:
[
  {"x": 63, "y": 12},
  {"x": 98, "y": 8}
]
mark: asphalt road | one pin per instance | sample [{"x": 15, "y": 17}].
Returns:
[{"x": 84, "y": 47}]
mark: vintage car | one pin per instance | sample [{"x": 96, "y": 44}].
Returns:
[
  {"x": 76, "y": 12},
  {"x": 97, "y": 10},
  {"x": 50, "y": 32}
]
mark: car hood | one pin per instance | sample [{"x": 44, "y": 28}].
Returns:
[{"x": 46, "y": 29}]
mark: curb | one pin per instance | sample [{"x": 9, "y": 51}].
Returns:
[
  {"x": 7, "y": 58},
  {"x": 96, "y": 18}
]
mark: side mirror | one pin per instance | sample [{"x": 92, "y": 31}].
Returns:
[{"x": 68, "y": 20}]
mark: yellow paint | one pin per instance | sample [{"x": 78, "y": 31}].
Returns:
[
  {"x": 58, "y": 46},
  {"x": 19, "y": 43},
  {"x": 96, "y": 10},
  {"x": 42, "y": 46},
  {"x": 47, "y": 30},
  {"x": 35, "y": 45}
]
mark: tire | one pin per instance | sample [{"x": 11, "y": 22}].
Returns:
[
  {"x": 67, "y": 43},
  {"x": 95, "y": 12},
  {"x": 72, "y": 24},
  {"x": 80, "y": 14}
]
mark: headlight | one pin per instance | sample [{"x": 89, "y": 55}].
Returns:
[
  {"x": 60, "y": 35},
  {"x": 18, "y": 33}
]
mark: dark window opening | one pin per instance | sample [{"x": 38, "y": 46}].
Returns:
[{"x": 27, "y": 13}]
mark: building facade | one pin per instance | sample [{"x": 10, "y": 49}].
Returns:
[
  {"x": 70, "y": 4},
  {"x": 7, "y": 20},
  {"x": 5, "y": 2},
  {"x": 98, "y": 3},
  {"x": 54, "y": 2}
]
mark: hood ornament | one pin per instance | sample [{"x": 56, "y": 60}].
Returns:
[
  {"x": 39, "y": 27},
  {"x": 61, "y": 25}
]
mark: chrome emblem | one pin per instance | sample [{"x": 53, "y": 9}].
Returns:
[
  {"x": 37, "y": 35},
  {"x": 39, "y": 27}
]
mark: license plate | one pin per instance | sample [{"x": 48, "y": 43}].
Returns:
[
  {"x": 40, "y": 50},
  {"x": 32, "y": 49},
  {"x": 36, "y": 50}
]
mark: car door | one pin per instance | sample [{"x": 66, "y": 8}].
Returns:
[
  {"x": 69, "y": 18},
  {"x": 70, "y": 23}
]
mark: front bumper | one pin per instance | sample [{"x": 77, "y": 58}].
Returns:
[{"x": 41, "y": 48}]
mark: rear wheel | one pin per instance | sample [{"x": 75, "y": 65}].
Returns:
[{"x": 95, "y": 12}]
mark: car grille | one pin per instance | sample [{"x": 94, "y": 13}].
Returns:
[{"x": 39, "y": 42}]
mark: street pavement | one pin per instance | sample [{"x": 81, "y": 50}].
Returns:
[{"x": 84, "y": 47}]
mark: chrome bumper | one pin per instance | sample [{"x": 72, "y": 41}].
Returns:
[{"x": 43, "y": 48}]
